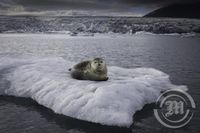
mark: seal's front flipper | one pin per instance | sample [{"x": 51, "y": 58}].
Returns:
[{"x": 106, "y": 79}]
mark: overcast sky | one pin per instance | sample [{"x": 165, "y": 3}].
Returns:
[{"x": 82, "y": 7}]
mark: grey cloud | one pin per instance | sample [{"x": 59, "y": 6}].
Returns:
[{"x": 88, "y": 5}]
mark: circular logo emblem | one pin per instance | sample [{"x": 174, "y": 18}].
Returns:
[{"x": 174, "y": 108}]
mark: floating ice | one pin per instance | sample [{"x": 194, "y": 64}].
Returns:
[{"x": 111, "y": 102}]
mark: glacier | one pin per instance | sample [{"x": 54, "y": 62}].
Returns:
[
  {"x": 113, "y": 102},
  {"x": 90, "y": 25}
]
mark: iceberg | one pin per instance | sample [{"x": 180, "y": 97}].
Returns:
[{"x": 112, "y": 102}]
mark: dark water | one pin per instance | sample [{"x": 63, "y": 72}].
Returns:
[{"x": 175, "y": 55}]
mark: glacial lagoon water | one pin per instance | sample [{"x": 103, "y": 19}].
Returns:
[{"x": 175, "y": 55}]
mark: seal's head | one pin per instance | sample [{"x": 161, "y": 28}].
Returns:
[{"x": 98, "y": 65}]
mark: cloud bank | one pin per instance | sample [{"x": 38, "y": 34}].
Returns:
[{"x": 82, "y": 7}]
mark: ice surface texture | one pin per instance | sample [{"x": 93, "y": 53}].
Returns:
[
  {"x": 112, "y": 102},
  {"x": 90, "y": 25}
]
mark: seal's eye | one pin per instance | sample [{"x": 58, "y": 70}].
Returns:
[{"x": 101, "y": 61}]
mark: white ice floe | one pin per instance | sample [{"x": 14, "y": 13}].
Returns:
[{"x": 112, "y": 102}]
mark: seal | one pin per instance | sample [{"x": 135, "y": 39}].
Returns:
[{"x": 95, "y": 70}]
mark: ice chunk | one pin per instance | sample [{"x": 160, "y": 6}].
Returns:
[{"x": 111, "y": 102}]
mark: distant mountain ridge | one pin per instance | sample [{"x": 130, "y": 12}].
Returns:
[{"x": 181, "y": 10}]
